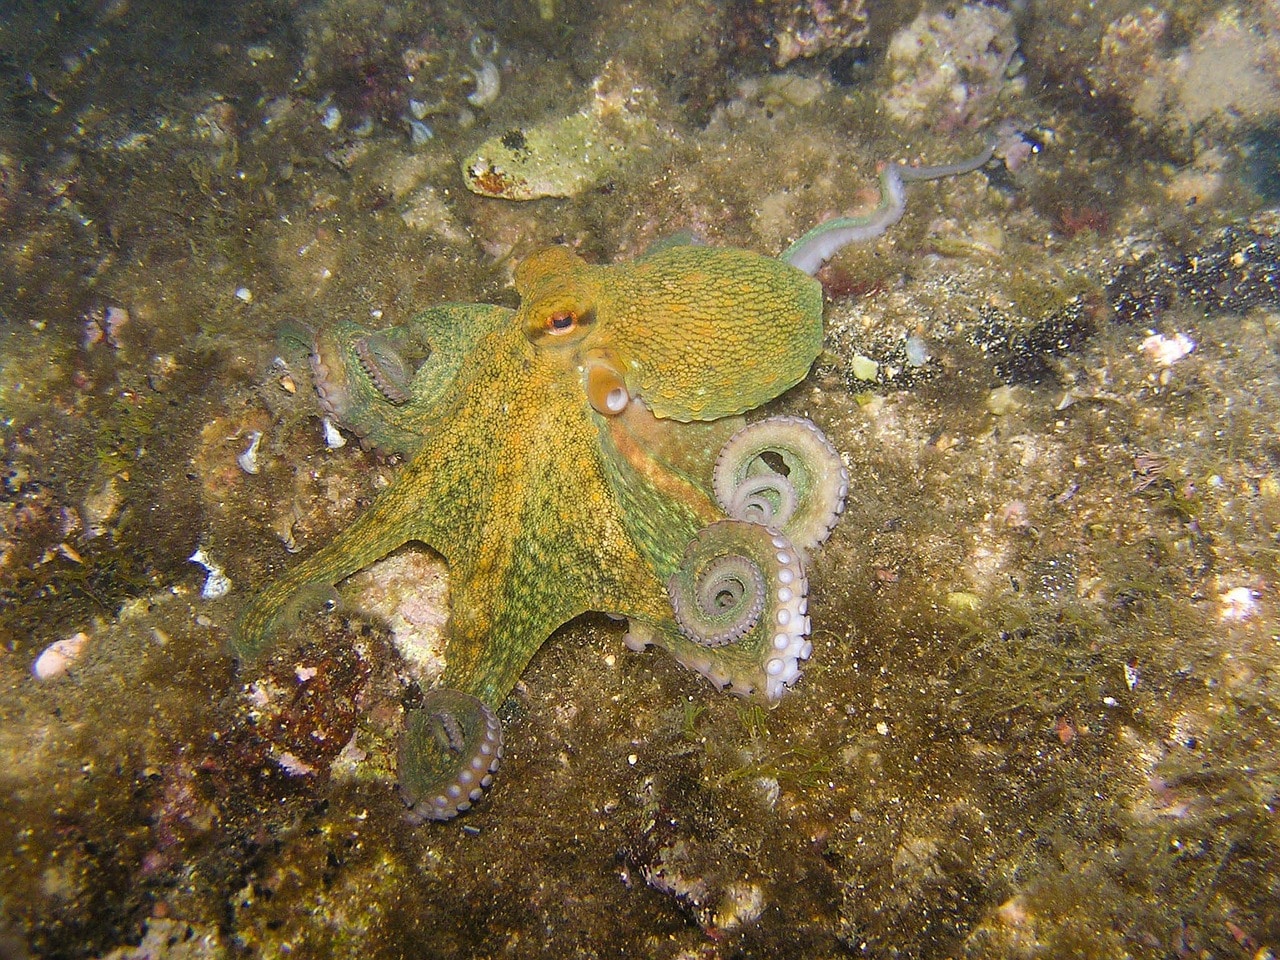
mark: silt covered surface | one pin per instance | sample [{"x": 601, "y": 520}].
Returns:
[{"x": 1041, "y": 712}]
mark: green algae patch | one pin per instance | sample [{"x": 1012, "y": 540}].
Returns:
[
  {"x": 990, "y": 755},
  {"x": 557, "y": 158}
]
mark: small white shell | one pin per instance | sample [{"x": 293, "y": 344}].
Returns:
[
  {"x": 58, "y": 656},
  {"x": 216, "y": 584},
  {"x": 1166, "y": 351},
  {"x": 249, "y": 459},
  {"x": 333, "y": 439},
  {"x": 487, "y": 76}
]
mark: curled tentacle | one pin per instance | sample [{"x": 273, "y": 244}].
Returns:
[
  {"x": 357, "y": 370},
  {"x": 449, "y": 752},
  {"x": 365, "y": 381},
  {"x": 740, "y": 602},
  {"x": 385, "y": 367},
  {"x": 725, "y": 603},
  {"x": 328, "y": 368},
  {"x": 783, "y": 472},
  {"x": 767, "y": 498}
]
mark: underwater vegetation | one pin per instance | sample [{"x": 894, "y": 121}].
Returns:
[{"x": 1038, "y": 715}]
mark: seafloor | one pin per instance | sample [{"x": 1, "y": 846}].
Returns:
[{"x": 1043, "y": 710}]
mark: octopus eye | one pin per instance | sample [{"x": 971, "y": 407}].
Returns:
[
  {"x": 565, "y": 319},
  {"x": 562, "y": 321}
]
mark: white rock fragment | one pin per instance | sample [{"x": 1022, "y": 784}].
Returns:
[
  {"x": 216, "y": 584},
  {"x": 294, "y": 766},
  {"x": 244, "y": 294},
  {"x": 56, "y": 658},
  {"x": 864, "y": 368},
  {"x": 249, "y": 459},
  {"x": 419, "y": 132},
  {"x": 1166, "y": 351},
  {"x": 1131, "y": 676},
  {"x": 1239, "y": 603},
  {"x": 409, "y": 592},
  {"x": 740, "y": 906},
  {"x": 917, "y": 351},
  {"x": 486, "y": 74},
  {"x": 1004, "y": 400},
  {"x": 333, "y": 438}
]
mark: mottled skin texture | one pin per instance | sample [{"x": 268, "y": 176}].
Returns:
[
  {"x": 700, "y": 332},
  {"x": 543, "y": 506}
]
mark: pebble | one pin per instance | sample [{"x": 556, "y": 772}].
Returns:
[
  {"x": 917, "y": 351},
  {"x": 333, "y": 438},
  {"x": 56, "y": 658},
  {"x": 216, "y": 584},
  {"x": 864, "y": 368},
  {"x": 1166, "y": 351},
  {"x": 1240, "y": 603},
  {"x": 419, "y": 132},
  {"x": 559, "y": 157}
]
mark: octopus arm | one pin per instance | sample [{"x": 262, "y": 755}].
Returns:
[
  {"x": 387, "y": 386},
  {"x": 540, "y": 552},
  {"x": 737, "y": 591},
  {"x": 386, "y": 525},
  {"x": 659, "y": 471},
  {"x": 548, "y": 551},
  {"x": 739, "y": 611}
]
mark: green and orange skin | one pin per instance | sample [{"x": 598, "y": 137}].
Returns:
[{"x": 542, "y": 506}]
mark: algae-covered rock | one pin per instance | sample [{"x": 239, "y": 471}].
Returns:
[
  {"x": 563, "y": 156},
  {"x": 558, "y": 158},
  {"x": 949, "y": 67}
]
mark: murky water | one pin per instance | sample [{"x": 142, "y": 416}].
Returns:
[{"x": 1039, "y": 718}]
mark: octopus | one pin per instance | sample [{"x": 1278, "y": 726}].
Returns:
[{"x": 588, "y": 451}]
